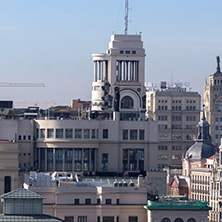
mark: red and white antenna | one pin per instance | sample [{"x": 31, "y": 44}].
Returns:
[{"x": 126, "y": 17}]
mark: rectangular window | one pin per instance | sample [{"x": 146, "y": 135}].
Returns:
[
  {"x": 76, "y": 201},
  {"x": 82, "y": 219},
  {"x": 87, "y": 201},
  {"x": 77, "y": 159},
  {"x": 141, "y": 134},
  {"x": 78, "y": 133},
  {"x": 127, "y": 52},
  {"x": 125, "y": 134},
  {"x": 69, "y": 219},
  {"x": 68, "y": 133},
  {"x": 29, "y": 137},
  {"x": 117, "y": 201},
  {"x": 24, "y": 137},
  {"x": 108, "y": 201},
  {"x": 59, "y": 133},
  {"x": 108, "y": 219},
  {"x": 105, "y": 161},
  {"x": 98, "y": 201},
  {"x": 86, "y": 133},
  {"x": 98, "y": 219},
  {"x": 50, "y": 133},
  {"x": 133, "y": 219},
  {"x": 94, "y": 133},
  {"x": 42, "y": 133},
  {"x": 133, "y": 134},
  {"x": 133, "y": 52},
  {"x": 105, "y": 134},
  {"x": 37, "y": 133}
]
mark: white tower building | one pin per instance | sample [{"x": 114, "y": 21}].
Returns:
[{"x": 118, "y": 84}]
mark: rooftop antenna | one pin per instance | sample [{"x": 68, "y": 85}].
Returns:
[{"x": 126, "y": 17}]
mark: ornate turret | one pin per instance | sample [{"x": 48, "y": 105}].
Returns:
[
  {"x": 203, "y": 148},
  {"x": 218, "y": 72}
]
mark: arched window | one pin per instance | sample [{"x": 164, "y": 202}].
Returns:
[
  {"x": 178, "y": 220},
  {"x": 127, "y": 102},
  {"x": 7, "y": 184},
  {"x": 165, "y": 220},
  {"x": 191, "y": 220}
]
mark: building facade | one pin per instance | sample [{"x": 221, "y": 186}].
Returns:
[
  {"x": 213, "y": 104},
  {"x": 177, "y": 112}
]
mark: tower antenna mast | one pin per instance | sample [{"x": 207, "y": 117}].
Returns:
[{"x": 126, "y": 17}]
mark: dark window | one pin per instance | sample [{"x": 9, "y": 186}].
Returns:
[
  {"x": 117, "y": 201},
  {"x": 165, "y": 220},
  {"x": 82, "y": 219},
  {"x": 69, "y": 219},
  {"x": 50, "y": 133},
  {"x": 178, "y": 220},
  {"x": 78, "y": 133},
  {"x": 133, "y": 52},
  {"x": 127, "y": 102},
  {"x": 108, "y": 219},
  {"x": 127, "y": 52},
  {"x": 125, "y": 134},
  {"x": 76, "y": 201},
  {"x": 191, "y": 220},
  {"x": 121, "y": 52},
  {"x": 20, "y": 137},
  {"x": 68, "y": 133},
  {"x": 29, "y": 137},
  {"x": 98, "y": 219},
  {"x": 141, "y": 134},
  {"x": 133, "y": 219},
  {"x": 87, "y": 201},
  {"x": 105, "y": 134},
  {"x": 105, "y": 161},
  {"x": 108, "y": 201},
  {"x": 24, "y": 137},
  {"x": 7, "y": 184},
  {"x": 98, "y": 201},
  {"x": 59, "y": 133},
  {"x": 133, "y": 134}
]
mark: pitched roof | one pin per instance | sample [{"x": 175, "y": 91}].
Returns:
[{"x": 22, "y": 193}]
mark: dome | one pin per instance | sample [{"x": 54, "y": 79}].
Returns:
[{"x": 203, "y": 148}]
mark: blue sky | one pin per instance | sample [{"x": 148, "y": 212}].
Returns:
[{"x": 51, "y": 41}]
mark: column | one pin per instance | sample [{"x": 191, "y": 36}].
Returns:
[
  {"x": 95, "y": 71},
  {"x": 137, "y": 71},
  {"x": 102, "y": 71},
  {"x": 124, "y": 70},
  {"x": 137, "y": 161}
]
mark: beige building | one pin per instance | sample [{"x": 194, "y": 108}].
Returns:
[
  {"x": 213, "y": 104},
  {"x": 92, "y": 200},
  {"x": 177, "y": 112}
]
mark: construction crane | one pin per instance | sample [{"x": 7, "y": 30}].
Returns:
[
  {"x": 32, "y": 103},
  {"x": 7, "y": 84}
]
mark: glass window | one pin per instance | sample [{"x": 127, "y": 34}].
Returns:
[
  {"x": 108, "y": 219},
  {"x": 141, "y": 134},
  {"x": 68, "y": 159},
  {"x": 7, "y": 184},
  {"x": 178, "y": 220},
  {"x": 49, "y": 159},
  {"x": 69, "y": 219},
  {"x": 50, "y": 133},
  {"x": 42, "y": 133},
  {"x": 127, "y": 102},
  {"x": 191, "y": 220},
  {"x": 105, "y": 161},
  {"x": 76, "y": 201},
  {"x": 82, "y": 219},
  {"x": 133, "y": 134},
  {"x": 59, "y": 158},
  {"x": 165, "y": 220},
  {"x": 59, "y": 133},
  {"x": 98, "y": 201},
  {"x": 133, "y": 219},
  {"x": 108, "y": 201},
  {"x": 37, "y": 133},
  {"x": 87, "y": 201},
  {"x": 77, "y": 159},
  {"x": 94, "y": 133},
  {"x": 86, "y": 133},
  {"x": 78, "y": 133},
  {"x": 69, "y": 133},
  {"x": 125, "y": 134},
  {"x": 105, "y": 134}
]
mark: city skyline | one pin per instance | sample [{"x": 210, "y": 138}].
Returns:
[{"x": 52, "y": 42}]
